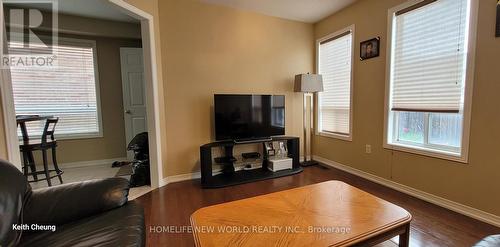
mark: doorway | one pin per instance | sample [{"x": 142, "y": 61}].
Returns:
[{"x": 150, "y": 101}]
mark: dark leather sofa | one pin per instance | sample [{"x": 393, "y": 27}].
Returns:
[{"x": 90, "y": 213}]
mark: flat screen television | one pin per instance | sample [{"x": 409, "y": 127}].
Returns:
[{"x": 248, "y": 117}]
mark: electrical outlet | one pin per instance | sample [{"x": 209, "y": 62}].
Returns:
[{"x": 368, "y": 149}]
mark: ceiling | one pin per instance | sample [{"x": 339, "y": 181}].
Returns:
[
  {"x": 299, "y": 10},
  {"x": 309, "y": 11},
  {"x": 100, "y": 9}
]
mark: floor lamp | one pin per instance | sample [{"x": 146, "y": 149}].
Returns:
[{"x": 308, "y": 84}]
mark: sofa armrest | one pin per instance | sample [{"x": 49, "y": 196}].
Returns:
[{"x": 69, "y": 202}]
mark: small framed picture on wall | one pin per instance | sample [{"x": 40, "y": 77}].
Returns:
[
  {"x": 498, "y": 19},
  {"x": 369, "y": 49}
]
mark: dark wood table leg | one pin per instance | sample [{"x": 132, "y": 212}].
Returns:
[
  {"x": 46, "y": 167},
  {"x": 24, "y": 132},
  {"x": 31, "y": 159},
  {"x": 32, "y": 165},
  {"x": 26, "y": 163},
  {"x": 402, "y": 231},
  {"x": 404, "y": 239},
  {"x": 56, "y": 167}
]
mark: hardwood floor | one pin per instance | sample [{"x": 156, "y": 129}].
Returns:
[{"x": 168, "y": 209}]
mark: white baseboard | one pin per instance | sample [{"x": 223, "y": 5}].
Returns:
[
  {"x": 301, "y": 158},
  {"x": 90, "y": 163},
  {"x": 445, "y": 203},
  {"x": 179, "y": 178}
]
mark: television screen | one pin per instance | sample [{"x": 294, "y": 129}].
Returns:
[{"x": 242, "y": 117}]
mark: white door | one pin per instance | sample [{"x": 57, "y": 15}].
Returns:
[{"x": 134, "y": 93}]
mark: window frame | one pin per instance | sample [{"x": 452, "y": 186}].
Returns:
[
  {"x": 93, "y": 45},
  {"x": 317, "y": 131},
  {"x": 389, "y": 117}
]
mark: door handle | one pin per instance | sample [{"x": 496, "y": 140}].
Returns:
[{"x": 128, "y": 112}]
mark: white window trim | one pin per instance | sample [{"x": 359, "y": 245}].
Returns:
[
  {"x": 99, "y": 134},
  {"x": 316, "y": 99},
  {"x": 463, "y": 157}
]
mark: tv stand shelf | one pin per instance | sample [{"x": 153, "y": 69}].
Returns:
[{"x": 228, "y": 178}]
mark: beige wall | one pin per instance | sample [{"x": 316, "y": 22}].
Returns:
[
  {"x": 474, "y": 184},
  {"x": 210, "y": 49}
]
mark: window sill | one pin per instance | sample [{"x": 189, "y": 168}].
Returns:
[
  {"x": 335, "y": 136},
  {"x": 70, "y": 137},
  {"x": 440, "y": 154}
]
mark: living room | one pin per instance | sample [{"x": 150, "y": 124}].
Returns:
[{"x": 410, "y": 124}]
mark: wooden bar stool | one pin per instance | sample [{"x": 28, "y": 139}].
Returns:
[{"x": 46, "y": 142}]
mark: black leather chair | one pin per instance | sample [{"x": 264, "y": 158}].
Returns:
[{"x": 90, "y": 213}]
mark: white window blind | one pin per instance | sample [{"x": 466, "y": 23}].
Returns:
[
  {"x": 67, "y": 91},
  {"x": 428, "y": 63},
  {"x": 335, "y": 58}
]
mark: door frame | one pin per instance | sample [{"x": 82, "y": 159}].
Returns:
[
  {"x": 152, "y": 95},
  {"x": 8, "y": 110},
  {"x": 151, "y": 83}
]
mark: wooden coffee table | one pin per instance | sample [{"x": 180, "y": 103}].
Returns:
[{"x": 331, "y": 213}]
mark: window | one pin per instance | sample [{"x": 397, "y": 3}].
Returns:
[
  {"x": 68, "y": 91},
  {"x": 334, "y": 103},
  {"x": 428, "y": 82}
]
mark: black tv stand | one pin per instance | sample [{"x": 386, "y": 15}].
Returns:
[
  {"x": 230, "y": 177},
  {"x": 245, "y": 141}
]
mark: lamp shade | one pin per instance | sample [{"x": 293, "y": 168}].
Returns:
[{"x": 308, "y": 83}]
